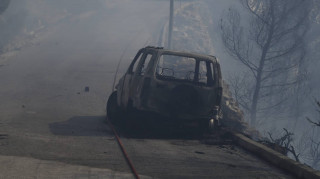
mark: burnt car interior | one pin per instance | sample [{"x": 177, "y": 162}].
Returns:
[{"x": 185, "y": 69}]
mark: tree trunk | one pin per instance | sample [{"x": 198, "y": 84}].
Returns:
[{"x": 255, "y": 97}]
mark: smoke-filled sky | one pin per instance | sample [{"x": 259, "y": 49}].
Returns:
[
  {"x": 58, "y": 46},
  {"x": 80, "y": 23},
  {"x": 108, "y": 30}
]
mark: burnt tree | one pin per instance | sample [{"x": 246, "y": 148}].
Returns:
[
  {"x": 310, "y": 142},
  {"x": 270, "y": 47}
]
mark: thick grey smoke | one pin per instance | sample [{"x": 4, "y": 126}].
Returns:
[{"x": 73, "y": 38}]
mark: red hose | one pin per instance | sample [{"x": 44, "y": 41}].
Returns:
[{"x": 123, "y": 151}]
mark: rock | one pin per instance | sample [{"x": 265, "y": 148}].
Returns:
[{"x": 233, "y": 116}]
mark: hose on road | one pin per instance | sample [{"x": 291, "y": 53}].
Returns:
[{"x": 123, "y": 150}]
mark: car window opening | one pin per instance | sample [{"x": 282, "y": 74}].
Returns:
[
  {"x": 134, "y": 65},
  {"x": 145, "y": 64},
  {"x": 183, "y": 68}
]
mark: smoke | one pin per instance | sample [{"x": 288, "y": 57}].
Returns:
[
  {"x": 91, "y": 32},
  {"x": 4, "y": 5},
  {"x": 83, "y": 24}
]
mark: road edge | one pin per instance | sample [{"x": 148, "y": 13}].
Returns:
[{"x": 281, "y": 161}]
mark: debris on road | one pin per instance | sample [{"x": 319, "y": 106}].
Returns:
[
  {"x": 86, "y": 89},
  {"x": 3, "y": 136}
]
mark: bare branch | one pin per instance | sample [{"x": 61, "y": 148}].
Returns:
[
  {"x": 273, "y": 106},
  {"x": 283, "y": 52},
  {"x": 293, "y": 152},
  {"x": 312, "y": 122},
  {"x": 279, "y": 85},
  {"x": 253, "y": 8},
  {"x": 283, "y": 144}
]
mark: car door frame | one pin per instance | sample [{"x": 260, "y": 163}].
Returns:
[
  {"x": 139, "y": 79},
  {"x": 127, "y": 79}
]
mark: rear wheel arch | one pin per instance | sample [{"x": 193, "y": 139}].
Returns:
[{"x": 112, "y": 108}]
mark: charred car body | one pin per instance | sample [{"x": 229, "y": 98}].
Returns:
[{"x": 185, "y": 87}]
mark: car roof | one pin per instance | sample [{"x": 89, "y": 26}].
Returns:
[{"x": 161, "y": 50}]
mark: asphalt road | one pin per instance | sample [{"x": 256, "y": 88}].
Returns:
[{"x": 45, "y": 112}]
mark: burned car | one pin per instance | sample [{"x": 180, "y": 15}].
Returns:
[{"x": 185, "y": 87}]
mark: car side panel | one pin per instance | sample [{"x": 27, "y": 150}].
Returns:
[{"x": 125, "y": 90}]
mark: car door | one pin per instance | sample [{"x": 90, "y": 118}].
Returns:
[
  {"x": 139, "y": 78},
  {"x": 127, "y": 82}
]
